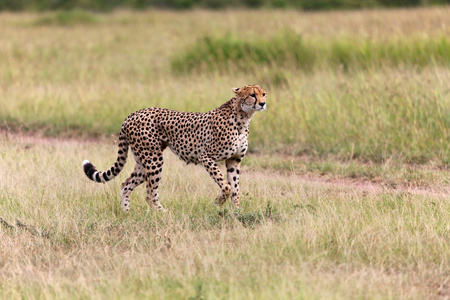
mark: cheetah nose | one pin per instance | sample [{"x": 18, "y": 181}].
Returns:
[{"x": 262, "y": 104}]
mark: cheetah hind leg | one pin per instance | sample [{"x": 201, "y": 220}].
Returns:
[{"x": 135, "y": 179}]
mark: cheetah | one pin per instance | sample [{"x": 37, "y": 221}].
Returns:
[{"x": 199, "y": 138}]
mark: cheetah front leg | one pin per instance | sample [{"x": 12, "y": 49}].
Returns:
[
  {"x": 233, "y": 169},
  {"x": 213, "y": 170}
]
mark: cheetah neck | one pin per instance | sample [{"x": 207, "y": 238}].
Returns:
[{"x": 243, "y": 118}]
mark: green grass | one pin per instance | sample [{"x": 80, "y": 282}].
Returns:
[
  {"x": 288, "y": 50},
  {"x": 291, "y": 238}
]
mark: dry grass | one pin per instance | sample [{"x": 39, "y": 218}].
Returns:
[{"x": 292, "y": 238}]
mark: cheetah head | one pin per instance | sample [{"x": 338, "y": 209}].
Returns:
[{"x": 251, "y": 98}]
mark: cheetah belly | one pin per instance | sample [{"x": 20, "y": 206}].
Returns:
[{"x": 187, "y": 155}]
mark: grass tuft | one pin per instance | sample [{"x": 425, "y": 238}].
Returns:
[
  {"x": 252, "y": 218},
  {"x": 231, "y": 51}
]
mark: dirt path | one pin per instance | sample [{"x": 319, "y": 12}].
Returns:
[{"x": 364, "y": 186}]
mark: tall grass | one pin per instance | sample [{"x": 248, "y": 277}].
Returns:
[{"x": 288, "y": 50}]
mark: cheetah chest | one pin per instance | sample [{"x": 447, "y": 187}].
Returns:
[
  {"x": 235, "y": 146},
  {"x": 241, "y": 144}
]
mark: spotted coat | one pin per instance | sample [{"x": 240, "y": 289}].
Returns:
[{"x": 199, "y": 138}]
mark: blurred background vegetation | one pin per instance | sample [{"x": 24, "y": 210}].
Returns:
[
  {"x": 366, "y": 84},
  {"x": 105, "y": 5}
]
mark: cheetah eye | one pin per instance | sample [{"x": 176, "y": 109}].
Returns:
[
  {"x": 253, "y": 95},
  {"x": 264, "y": 94}
]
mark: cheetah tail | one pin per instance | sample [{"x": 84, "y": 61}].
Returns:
[{"x": 92, "y": 173}]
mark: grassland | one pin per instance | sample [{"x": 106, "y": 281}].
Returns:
[
  {"x": 345, "y": 189},
  {"x": 292, "y": 239}
]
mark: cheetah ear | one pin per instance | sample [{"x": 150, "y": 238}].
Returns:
[{"x": 235, "y": 89}]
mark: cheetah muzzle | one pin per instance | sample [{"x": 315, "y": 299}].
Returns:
[{"x": 205, "y": 138}]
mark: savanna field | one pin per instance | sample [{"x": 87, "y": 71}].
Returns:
[{"x": 345, "y": 191}]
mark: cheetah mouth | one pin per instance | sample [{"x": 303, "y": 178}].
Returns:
[{"x": 259, "y": 108}]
